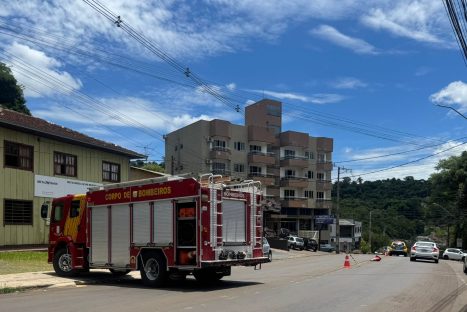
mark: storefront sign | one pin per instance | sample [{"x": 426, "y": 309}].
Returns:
[{"x": 45, "y": 186}]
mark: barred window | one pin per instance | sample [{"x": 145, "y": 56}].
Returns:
[
  {"x": 17, "y": 212},
  {"x": 110, "y": 172},
  {"x": 239, "y": 146},
  {"x": 18, "y": 155},
  {"x": 308, "y": 194},
  {"x": 65, "y": 164}
]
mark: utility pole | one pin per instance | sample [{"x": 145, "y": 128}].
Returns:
[{"x": 338, "y": 230}]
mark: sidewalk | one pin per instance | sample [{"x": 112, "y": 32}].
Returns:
[{"x": 50, "y": 279}]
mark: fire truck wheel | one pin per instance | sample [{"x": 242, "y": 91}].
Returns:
[
  {"x": 62, "y": 263},
  {"x": 119, "y": 272},
  {"x": 154, "y": 272}
]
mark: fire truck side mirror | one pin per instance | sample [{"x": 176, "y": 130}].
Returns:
[{"x": 44, "y": 211}]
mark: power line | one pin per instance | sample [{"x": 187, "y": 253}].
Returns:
[{"x": 407, "y": 163}]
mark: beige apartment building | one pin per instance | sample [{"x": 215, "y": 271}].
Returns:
[{"x": 293, "y": 167}]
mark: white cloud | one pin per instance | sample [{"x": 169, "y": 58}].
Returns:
[
  {"x": 419, "y": 170},
  {"x": 348, "y": 83},
  {"x": 332, "y": 35},
  {"x": 231, "y": 86},
  {"x": 39, "y": 73},
  {"x": 453, "y": 94},
  {"x": 326, "y": 98},
  {"x": 422, "y": 20},
  {"x": 283, "y": 95},
  {"x": 318, "y": 98}
]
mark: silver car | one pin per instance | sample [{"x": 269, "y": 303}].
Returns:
[
  {"x": 295, "y": 242},
  {"x": 453, "y": 254},
  {"x": 424, "y": 250}
]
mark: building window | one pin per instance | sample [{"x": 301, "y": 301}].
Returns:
[
  {"x": 110, "y": 172},
  {"x": 273, "y": 110},
  {"x": 289, "y": 193},
  {"x": 17, "y": 212},
  {"x": 239, "y": 146},
  {"x": 255, "y": 149},
  {"x": 320, "y": 195},
  {"x": 239, "y": 168},
  {"x": 255, "y": 170},
  {"x": 218, "y": 144},
  {"x": 18, "y": 155},
  {"x": 308, "y": 194},
  {"x": 289, "y": 173},
  {"x": 309, "y": 174},
  {"x": 309, "y": 155},
  {"x": 289, "y": 154},
  {"x": 65, "y": 164},
  {"x": 320, "y": 176},
  {"x": 321, "y": 157}
]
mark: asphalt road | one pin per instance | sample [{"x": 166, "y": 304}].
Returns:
[{"x": 307, "y": 283}]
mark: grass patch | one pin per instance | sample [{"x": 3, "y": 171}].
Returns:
[
  {"x": 9, "y": 290},
  {"x": 23, "y": 261}
]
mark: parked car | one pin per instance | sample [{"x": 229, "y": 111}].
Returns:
[
  {"x": 465, "y": 265},
  {"x": 398, "y": 248},
  {"x": 424, "y": 250},
  {"x": 454, "y": 254},
  {"x": 267, "y": 249},
  {"x": 327, "y": 247},
  {"x": 311, "y": 244},
  {"x": 295, "y": 242}
]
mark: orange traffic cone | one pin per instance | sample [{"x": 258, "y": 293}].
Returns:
[
  {"x": 376, "y": 258},
  {"x": 347, "y": 262}
]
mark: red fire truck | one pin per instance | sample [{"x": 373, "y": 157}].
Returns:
[{"x": 161, "y": 227}]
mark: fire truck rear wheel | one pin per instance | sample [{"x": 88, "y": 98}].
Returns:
[
  {"x": 62, "y": 263},
  {"x": 154, "y": 271}
]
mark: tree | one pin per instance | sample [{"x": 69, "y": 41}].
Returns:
[
  {"x": 449, "y": 187},
  {"x": 11, "y": 94},
  {"x": 150, "y": 165}
]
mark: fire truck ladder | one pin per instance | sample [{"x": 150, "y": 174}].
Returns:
[{"x": 214, "y": 205}]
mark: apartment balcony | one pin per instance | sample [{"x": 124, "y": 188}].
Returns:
[
  {"x": 219, "y": 128},
  {"x": 265, "y": 179},
  {"x": 272, "y": 192},
  {"x": 261, "y": 134},
  {"x": 273, "y": 170},
  {"x": 261, "y": 158},
  {"x": 296, "y": 182},
  {"x": 321, "y": 203},
  {"x": 323, "y": 185},
  {"x": 324, "y": 144},
  {"x": 219, "y": 153},
  {"x": 294, "y": 161},
  {"x": 293, "y": 138},
  {"x": 294, "y": 202},
  {"x": 324, "y": 165}
]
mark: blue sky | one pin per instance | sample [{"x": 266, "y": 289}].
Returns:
[{"x": 366, "y": 73}]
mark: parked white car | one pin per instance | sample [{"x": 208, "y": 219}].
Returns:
[{"x": 454, "y": 254}]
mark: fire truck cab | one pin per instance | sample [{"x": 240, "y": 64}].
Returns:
[{"x": 161, "y": 227}]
